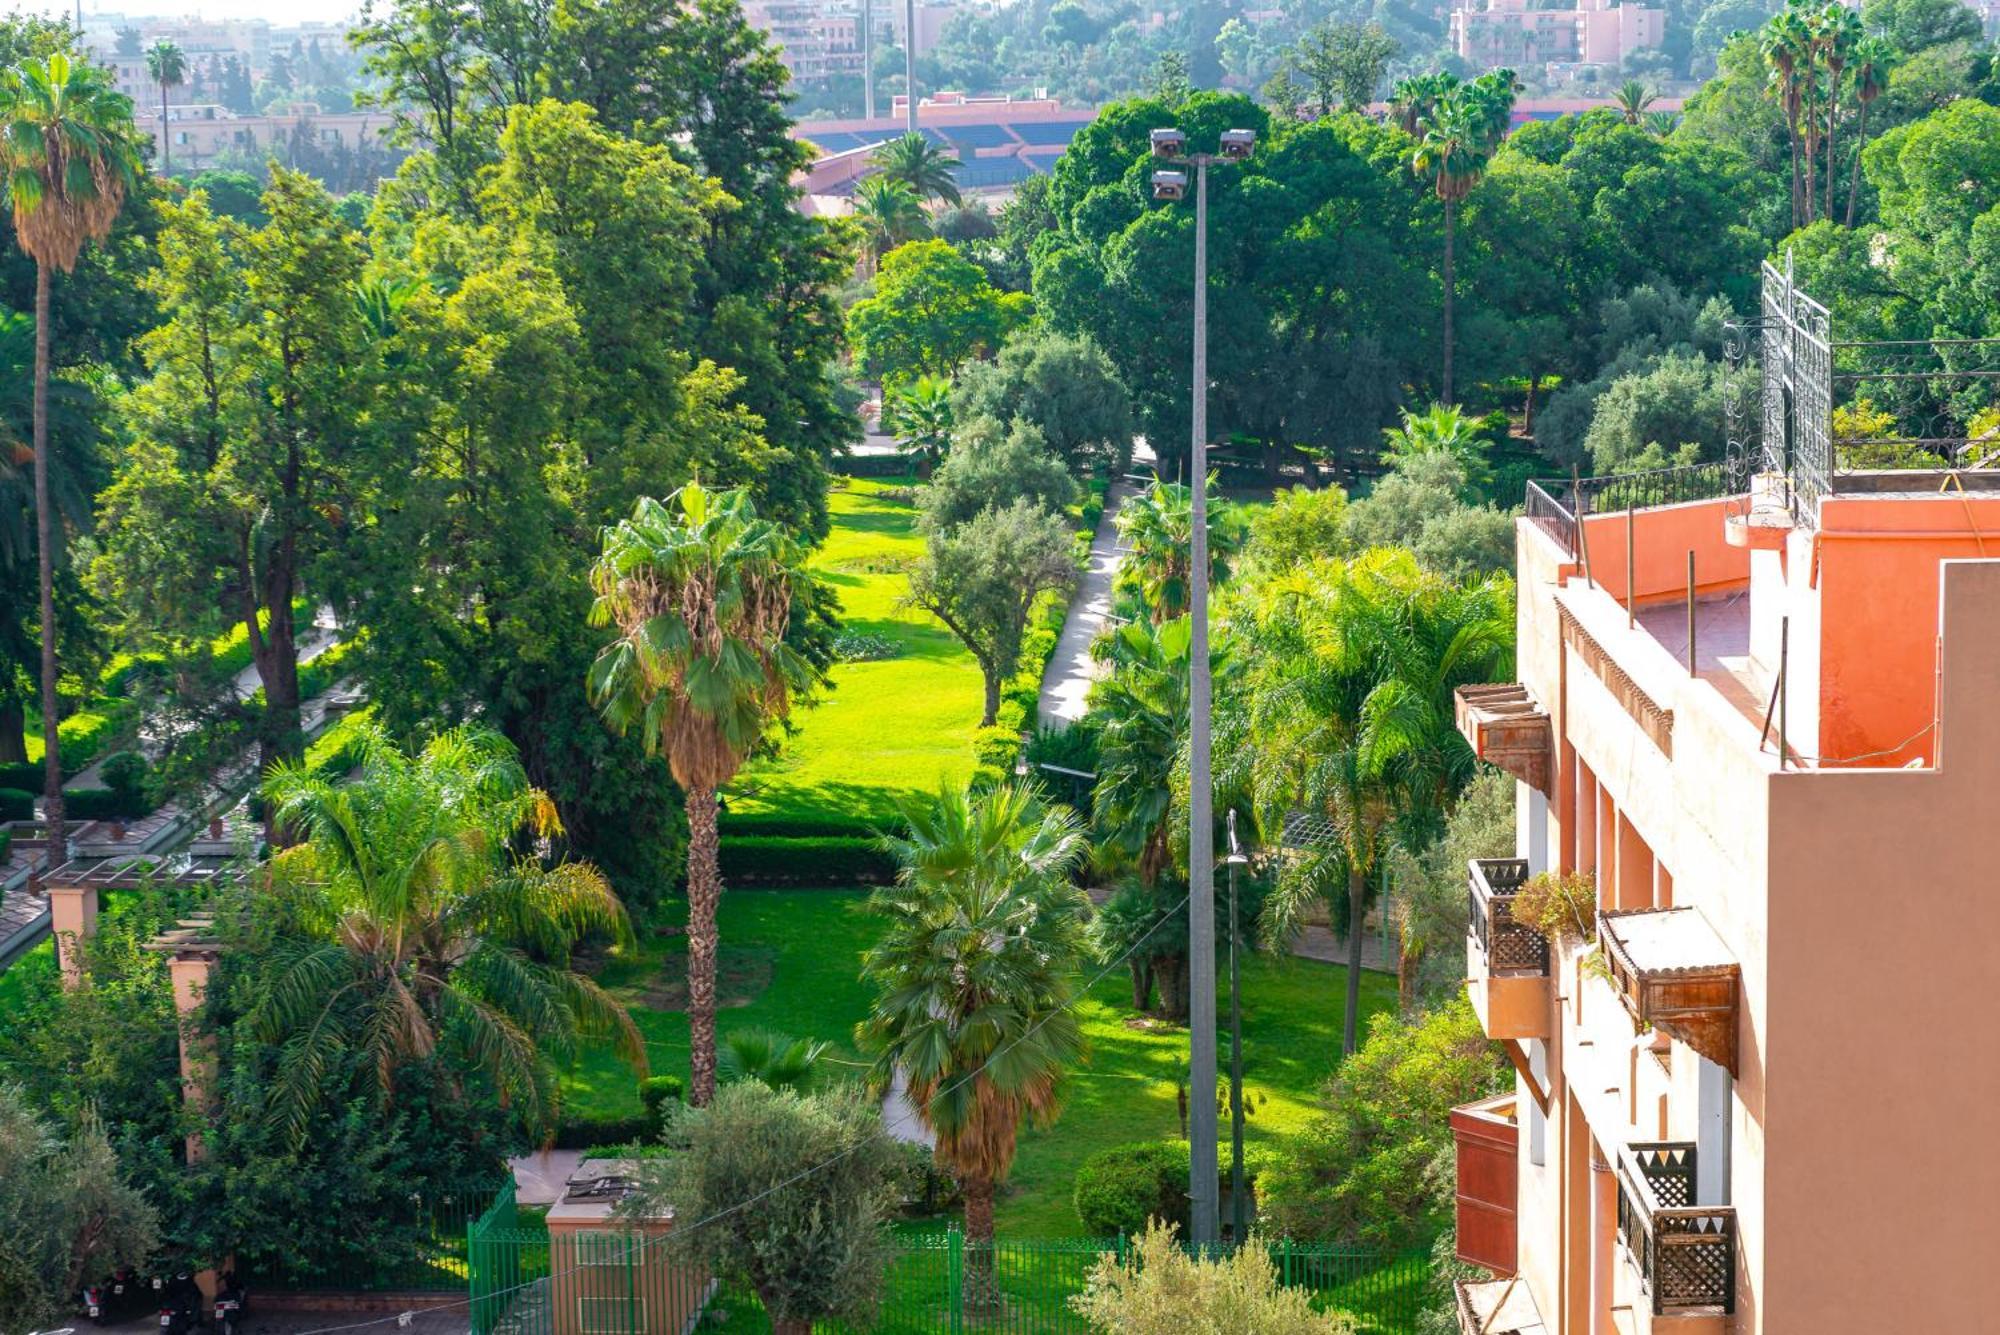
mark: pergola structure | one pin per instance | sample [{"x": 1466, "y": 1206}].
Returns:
[{"x": 74, "y": 887}]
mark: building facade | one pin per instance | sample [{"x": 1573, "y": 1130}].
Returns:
[
  {"x": 1756, "y": 712},
  {"x": 1518, "y": 33}
]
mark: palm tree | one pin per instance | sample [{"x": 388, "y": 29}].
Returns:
[
  {"x": 1142, "y": 709},
  {"x": 66, "y": 146},
  {"x": 1413, "y": 99},
  {"x": 889, "y": 213},
  {"x": 1351, "y": 670},
  {"x": 1632, "y": 100},
  {"x": 1442, "y": 428},
  {"x": 167, "y": 66},
  {"x": 1843, "y": 37},
  {"x": 1873, "y": 59},
  {"x": 1660, "y": 124},
  {"x": 700, "y": 591},
  {"x": 413, "y": 927},
  {"x": 1786, "y": 43},
  {"x": 919, "y": 164},
  {"x": 974, "y": 976},
  {"x": 1453, "y": 151},
  {"x": 774, "y": 1060},
  {"x": 923, "y": 417},
  {"x": 1157, "y": 528}
]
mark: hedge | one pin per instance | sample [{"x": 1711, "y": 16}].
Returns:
[
  {"x": 876, "y": 465},
  {"x": 16, "y": 804},
  {"x": 830, "y": 824},
  {"x": 598, "y": 1131},
  {"x": 103, "y": 804},
  {"x": 26, "y": 775},
  {"x": 1119, "y": 1189},
  {"x": 819, "y": 860}
]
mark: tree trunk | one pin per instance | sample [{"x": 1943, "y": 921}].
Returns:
[
  {"x": 704, "y": 894},
  {"x": 45, "y": 529},
  {"x": 166, "y": 153},
  {"x": 981, "y": 1293},
  {"x": 1832, "y": 139},
  {"x": 1142, "y": 983},
  {"x": 1860, "y": 142},
  {"x": 13, "y": 732},
  {"x": 275, "y": 651},
  {"x": 1357, "y": 904},
  {"x": 1406, "y": 978},
  {"x": 1528, "y": 413},
  {"x": 993, "y": 682},
  {"x": 1449, "y": 222},
  {"x": 1792, "y": 134},
  {"x": 1170, "y": 972}
]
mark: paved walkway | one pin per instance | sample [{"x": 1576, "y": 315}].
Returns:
[
  {"x": 1066, "y": 681},
  {"x": 539, "y": 1178}
]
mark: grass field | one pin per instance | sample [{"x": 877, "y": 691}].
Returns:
[
  {"x": 791, "y": 961},
  {"x": 890, "y": 728}
]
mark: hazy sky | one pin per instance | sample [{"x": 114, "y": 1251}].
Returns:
[{"x": 289, "y": 11}]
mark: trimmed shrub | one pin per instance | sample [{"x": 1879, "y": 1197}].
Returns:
[
  {"x": 597, "y": 1131},
  {"x": 1119, "y": 1189},
  {"x": 102, "y": 804},
  {"x": 1012, "y": 715},
  {"x": 985, "y": 777},
  {"x": 821, "y": 860},
  {"x": 16, "y": 804},
  {"x": 27, "y": 776},
  {"x": 996, "y": 746},
  {"x": 84, "y": 734},
  {"x": 776, "y": 825},
  {"x": 657, "y": 1091},
  {"x": 126, "y": 773},
  {"x": 876, "y": 465}
]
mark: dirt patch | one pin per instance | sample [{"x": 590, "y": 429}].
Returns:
[
  {"x": 1148, "y": 1024},
  {"x": 741, "y": 975}
]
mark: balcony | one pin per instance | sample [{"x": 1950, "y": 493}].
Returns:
[
  {"x": 1486, "y": 1144},
  {"x": 1673, "y": 972},
  {"x": 1685, "y": 1254},
  {"x": 1509, "y": 730},
  {"x": 1507, "y": 962}
]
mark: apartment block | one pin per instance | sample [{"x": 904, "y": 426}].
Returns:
[
  {"x": 1521, "y": 33},
  {"x": 1758, "y": 707}
]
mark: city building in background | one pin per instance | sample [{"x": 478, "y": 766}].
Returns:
[{"x": 1522, "y": 35}]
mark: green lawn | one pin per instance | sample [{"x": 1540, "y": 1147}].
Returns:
[
  {"x": 889, "y": 728},
  {"x": 791, "y": 962}
]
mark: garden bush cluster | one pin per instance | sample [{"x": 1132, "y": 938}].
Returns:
[{"x": 995, "y": 749}]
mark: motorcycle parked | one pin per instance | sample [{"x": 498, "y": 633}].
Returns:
[
  {"x": 180, "y": 1305},
  {"x": 116, "y": 1299},
  {"x": 231, "y": 1301}
]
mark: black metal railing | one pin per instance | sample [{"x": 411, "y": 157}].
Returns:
[
  {"x": 1558, "y": 507},
  {"x": 1685, "y": 1253},
  {"x": 1511, "y": 947}
]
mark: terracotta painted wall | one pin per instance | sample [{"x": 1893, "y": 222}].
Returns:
[
  {"x": 1662, "y": 538},
  {"x": 1884, "y": 1095}
]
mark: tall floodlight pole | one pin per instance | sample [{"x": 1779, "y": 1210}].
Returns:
[
  {"x": 1203, "y": 1175},
  {"x": 867, "y": 59},
  {"x": 1239, "y": 1202},
  {"x": 910, "y": 60}
]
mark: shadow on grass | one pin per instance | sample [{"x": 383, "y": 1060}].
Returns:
[
  {"x": 890, "y": 518},
  {"x": 917, "y": 641},
  {"x": 871, "y": 802}
]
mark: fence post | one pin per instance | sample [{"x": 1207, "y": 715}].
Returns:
[
  {"x": 1121, "y": 1247},
  {"x": 1285, "y": 1267},
  {"x": 954, "y": 1281}
]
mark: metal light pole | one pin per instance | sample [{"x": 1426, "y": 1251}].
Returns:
[
  {"x": 910, "y": 59},
  {"x": 1203, "y": 1184},
  {"x": 1238, "y": 1204},
  {"x": 867, "y": 59}
]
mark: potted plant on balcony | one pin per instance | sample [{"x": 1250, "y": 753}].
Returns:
[{"x": 1561, "y": 905}]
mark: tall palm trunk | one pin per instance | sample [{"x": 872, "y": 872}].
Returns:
[
  {"x": 45, "y": 529},
  {"x": 1449, "y": 223},
  {"x": 166, "y": 152},
  {"x": 1860, "y": 142},
  {"x": 981, "y": 1292},
  {"x": 704, "y": 894},
  {"x": 1357, "y": 903},
  {"x": 1792, "y": 135},
  {"x": 1832, "y": 139}
]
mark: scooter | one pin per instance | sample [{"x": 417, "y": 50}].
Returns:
[
  {"x": 230, "y": 1302},
  {"x": 180, "y": 1305}
]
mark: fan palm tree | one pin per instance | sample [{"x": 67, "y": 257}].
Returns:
[
  {"x": 923, "y": 416},
  {"x": 1842, "y": 35},
  {"x": 920, "y": 164},
  {"x": 1660, "y": 124},
  {"x": 1873, "y": 60},
  {"x": 166, "y": 64},
  {"x": 1413, "y": 99},
  {"x": 774, "y": 1060},
  {"x": 1633, "y": 99},
  {"x": 1350, "y": 673},
  {"x": 890, "y": 214},
  {"x": 1442, "y": 428},
  {"x": 66, "y": 146},
  {"x": 974, "y": 976},
  {"x": 700, "y": 592},
  {"x": 1456, "y": 145},
  {"x": 1157, "y": 528},
  {"x": 414, "y": 927},
  {"x": 1142, "y": 708},
  {"x": 1786, "y": 43}
]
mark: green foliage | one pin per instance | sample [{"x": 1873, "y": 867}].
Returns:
[
  {"x": 603, "y": 1131},
  {"x": 1419, "y": 506},
  {"x": 71, "y": 1214},
  {"x": 993, "y": 466},
  {"x": 1127, "y": 1187},
  {"x": 1358, "y": 1172},
  {"x": 983, "y": 577},
  {"x": 932, "y": 311},
  {"x": 126, "y": 773},
  {"x": 776, "y": 1061},
  {"x": 659, "y": 1093},
  {"x": 1430, "y": 905},
  {"x": 104, "y": 804},
  {"x": 1300, "y": 525},
  {"x": 1157, "y": 527},
  {"x": 816, "y": 1245},
  {"x": 1065, "y": 387},
  {"x": 1562, "y": 906},
  {"x": 803, "y": 860},
  {"x": 923, "y": 166},
  {"x": 1671, "y": 413},
  {"x": 16, "y": 804},
  {"x": 1163, "y": 1289}
]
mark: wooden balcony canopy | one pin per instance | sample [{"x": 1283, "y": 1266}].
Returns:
[
  {"x": 1508, "y": 729},
  {"x": 1675, "y": 974}
]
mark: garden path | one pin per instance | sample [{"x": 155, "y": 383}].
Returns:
[{"x": 1066, "y": 683}]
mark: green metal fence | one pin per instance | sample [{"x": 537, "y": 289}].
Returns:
[
  {"x": 418, "y": 1245},
  {"x": 617, "y": 1283}
]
